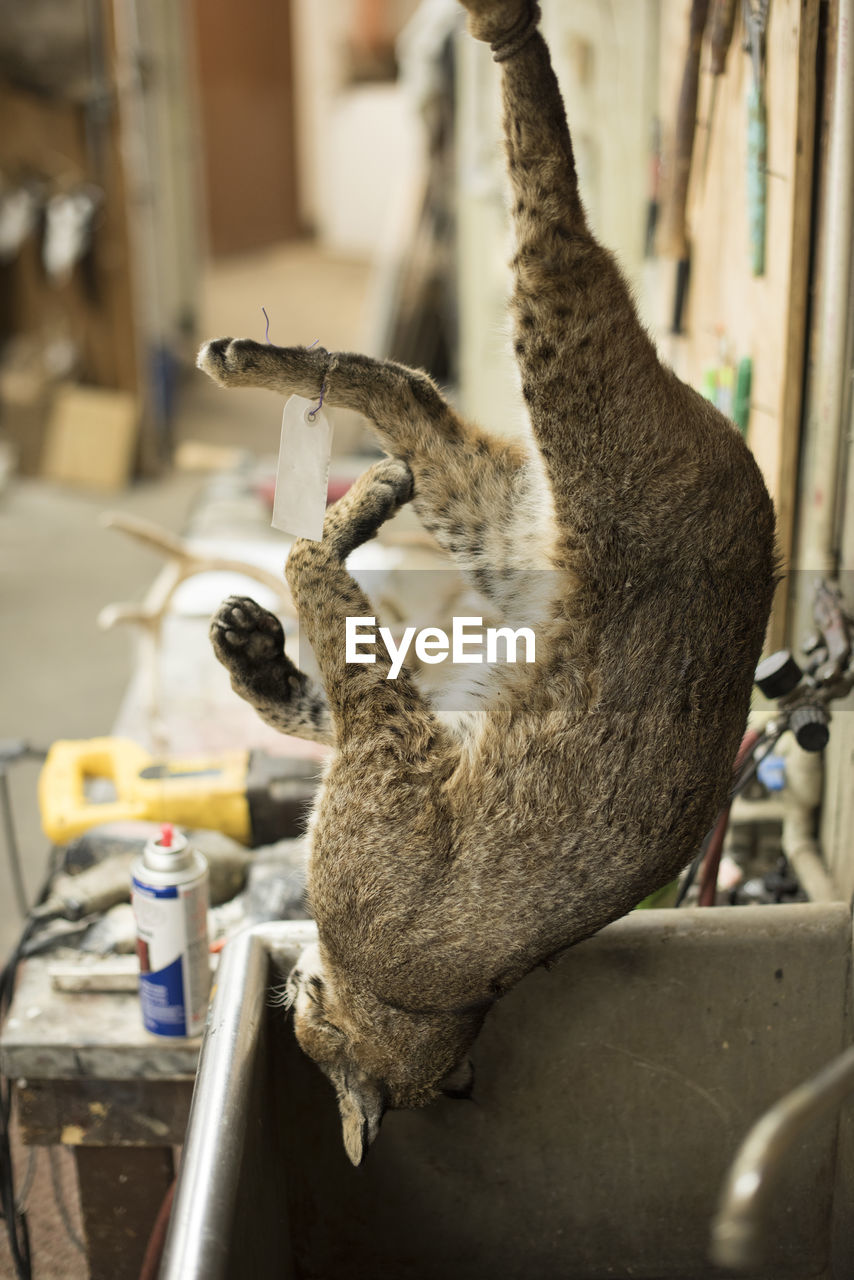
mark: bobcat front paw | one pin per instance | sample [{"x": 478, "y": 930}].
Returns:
[
  {"x": 390, "y": 483},
  {"x": 375, "y": 497},
  {"x": 244, "y": 635}
]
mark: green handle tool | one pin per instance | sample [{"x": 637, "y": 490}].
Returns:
[{"x": 757, "y": 163}]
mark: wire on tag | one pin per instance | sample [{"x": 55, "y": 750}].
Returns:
[{"x": 312, "y": 413}]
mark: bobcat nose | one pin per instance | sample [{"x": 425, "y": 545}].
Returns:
[{"x": 460, "y": 1083}]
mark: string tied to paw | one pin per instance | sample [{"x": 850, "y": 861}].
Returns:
[
  {"x": 517, "y": 37},
  {"x": 312, "y": 413}
]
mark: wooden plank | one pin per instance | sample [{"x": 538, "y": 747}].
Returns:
[
  {"x": 120, "y": 1196},
  {"x": 113, "y": 974},
  {"x": 837, "y": 810},
  {"x": 796, "y": 337},
  {"x": 98, "y": 1113}
]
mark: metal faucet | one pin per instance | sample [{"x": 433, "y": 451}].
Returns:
[{"x": 737, "y": 1231}]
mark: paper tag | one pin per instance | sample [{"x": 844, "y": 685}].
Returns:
[{"x": 302, "y": 474}]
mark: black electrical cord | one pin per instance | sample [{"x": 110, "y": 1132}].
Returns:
[{"x": 760, "y": 749}]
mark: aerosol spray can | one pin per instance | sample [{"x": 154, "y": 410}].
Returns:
[{"x": 170, "y": 903}]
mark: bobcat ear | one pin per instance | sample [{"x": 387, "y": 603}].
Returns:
[
  {"x": 361, "y": 1104},
  {"x": 459, "y": 1082}
]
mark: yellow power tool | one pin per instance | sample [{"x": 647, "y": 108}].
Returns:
[{"x": 248, "y": 795}]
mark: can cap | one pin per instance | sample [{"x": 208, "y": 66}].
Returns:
[{"x": 170, "y": 852}]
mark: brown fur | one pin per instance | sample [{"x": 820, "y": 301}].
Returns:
[{"x": 447, "y": 863}]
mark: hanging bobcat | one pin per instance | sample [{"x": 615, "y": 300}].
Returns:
[{"x": 447, "y": 862}]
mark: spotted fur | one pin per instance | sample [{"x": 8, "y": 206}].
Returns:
[{"x": 446, "y": 865}]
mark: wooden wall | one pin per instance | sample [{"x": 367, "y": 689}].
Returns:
[
  {"x": 48, "y": 139},
  {"x": 246, "y": 99},
  {"x": 630, "y": 73},
  {"x": 765, "y": 317},
  {"x": 122, "y": 123}
]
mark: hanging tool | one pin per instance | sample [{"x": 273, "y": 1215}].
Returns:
[
  {"x": 721, "y": 25},
  {"x": 756, "y": 25},
  {"x": 741, "y": 402},
  {"x": 249, "y": 795},
  {"x": 653, "y": 202},
  {"x": 675, "y": 243}
]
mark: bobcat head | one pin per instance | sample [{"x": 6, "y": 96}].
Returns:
[{"x": 376, "y": 1068}]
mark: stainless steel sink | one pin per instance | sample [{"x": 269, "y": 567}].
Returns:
[{"x": 611, "y": 1094}]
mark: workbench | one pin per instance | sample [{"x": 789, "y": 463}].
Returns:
[
  {"x": 89, "y": 1077},
  {"x": 86, "y": 1073}
]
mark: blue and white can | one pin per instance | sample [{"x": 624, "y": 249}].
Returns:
[{"x": 170, "y": 902}]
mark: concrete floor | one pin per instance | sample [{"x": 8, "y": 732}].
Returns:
[{"x": 63, "y": 677}]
